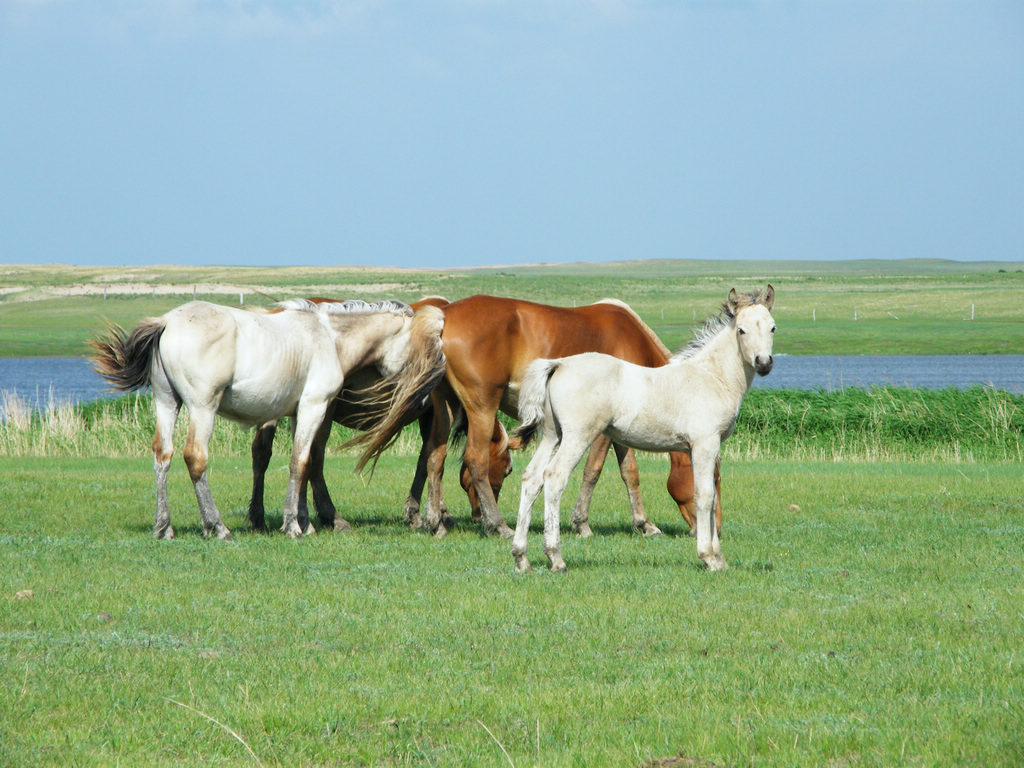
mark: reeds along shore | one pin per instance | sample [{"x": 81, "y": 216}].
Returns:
[{"x": 880, "y": 424}]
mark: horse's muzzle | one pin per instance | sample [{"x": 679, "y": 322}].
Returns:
[{"x": 762, "y": 365}]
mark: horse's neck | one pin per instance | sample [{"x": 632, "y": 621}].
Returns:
[{"x": 721, "y": 357}]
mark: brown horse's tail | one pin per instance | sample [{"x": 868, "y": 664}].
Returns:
[
  {"x": 123, "y": 359},
  {"x": 398, "y": 399},
  {"x": 533, "y": 396}
]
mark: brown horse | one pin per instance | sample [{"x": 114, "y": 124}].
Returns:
[
  {"x": 488, "y": 342},
  {"x": 349, "y": 410}
]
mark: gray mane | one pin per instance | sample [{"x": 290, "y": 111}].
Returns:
[
  {"x": 713, "y": 326},
  {"x": 349, "y": 307}
]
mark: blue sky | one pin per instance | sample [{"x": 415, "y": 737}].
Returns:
[{"x": 445, "y": 133}]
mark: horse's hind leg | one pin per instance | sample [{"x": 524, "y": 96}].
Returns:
[
  {"x": 326, "y": 512},
  {"x": 532, "y": 484},
  {"x": 167, "y": 407},
  {"x": 556, "y": 477},
  {"x": 309, "y": 418},
  {"x": 434, "y": 425},
  {"x": 436, "y": 450},
  {"x": 262, "y": 449},
  {"x": 591, "y": 474},
  {"x": 412, "y": 501},
  {"x": 630, "y": 473},
  {"x": 200, "y": 430}
]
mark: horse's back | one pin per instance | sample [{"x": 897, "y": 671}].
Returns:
[
  {"x": 208, "y": 350},
  {"x": 492, "y": 339}
]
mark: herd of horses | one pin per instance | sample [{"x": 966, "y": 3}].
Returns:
[{"x": 594, "y": 377}]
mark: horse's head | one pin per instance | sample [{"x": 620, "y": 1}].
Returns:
[{"x": 755, "y": 328}]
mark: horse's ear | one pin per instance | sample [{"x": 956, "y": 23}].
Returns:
[
  {"x": 732, "y": 302},
  {"x": 768, "y": 297}
]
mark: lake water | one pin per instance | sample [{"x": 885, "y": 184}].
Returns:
[{"x": 42, "y": 380}]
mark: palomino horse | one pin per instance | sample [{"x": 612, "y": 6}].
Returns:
[
  {"x": 350, "y": 410},
  {"x": 256, "y": 367},
  {"x": 689, "y": 405},
  {"x": 488, "y": 342}
]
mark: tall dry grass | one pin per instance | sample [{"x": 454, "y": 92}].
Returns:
[{"x": 880, "y": 424}]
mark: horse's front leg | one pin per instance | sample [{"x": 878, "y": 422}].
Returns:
[
  {"x": 680, "y": 488},
  {"x": 704, "y": 457},
  {"x": 477, "y": 458},
  {"x": 499, "y": 466},
  {"x": 307, "y": 421},
  {"x": 262, "y": 449},
  {"x": 630, "y": 473},
  {"x": 197, "y": 446}
]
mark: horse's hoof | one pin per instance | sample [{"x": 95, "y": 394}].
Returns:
[
  {"x": 224, "y": 535},
  {"x": 340, "y": 524},
  {"x": 715, "y": 563},
  {"x": 504, "y": 532},
  {"x": 583, "y": 531},
  {"x": 411, "y": 510},
  {"x": 522, "y": 565},
  {"x": 649, "y": 529},
  {"x": 559, "y": 567},
  {"x": 441, "y": 532},
  {"x": 164, "y": 535}
]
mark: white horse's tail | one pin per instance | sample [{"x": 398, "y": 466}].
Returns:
[
  {"x": 397, "y": 400},
  {"x": 123, "y": 359},
  {"x": 533, "y": 396}
]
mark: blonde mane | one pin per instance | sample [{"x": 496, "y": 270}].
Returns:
[{"x": 348, "y": 307}]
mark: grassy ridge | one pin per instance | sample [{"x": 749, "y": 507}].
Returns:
[{"x": 889, "y": 423}]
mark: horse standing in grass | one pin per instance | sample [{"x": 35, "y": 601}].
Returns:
[
  {"x": 350, "y": 410},
  {"x": 254, "y": 367},
  {"x": 488, "y": 343},
  {"x": 689, "y": 405}
]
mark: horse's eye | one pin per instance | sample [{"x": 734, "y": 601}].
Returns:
[
  {"x": 773, "y": 329},
  {"x": 742, "y": 331}
]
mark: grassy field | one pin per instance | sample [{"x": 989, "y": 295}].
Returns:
[
  {"x": 878, "y": 624},
  {"x": 871, "y": 616},
  {"x": 858, "y": 307}
]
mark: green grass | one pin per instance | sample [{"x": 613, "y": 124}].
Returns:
[
  {"x": 871, "y": 616},
  {"x": 877, "y": 625},
  {"x": 891, "y": 423},
  {"x": 901, "y": 307}
]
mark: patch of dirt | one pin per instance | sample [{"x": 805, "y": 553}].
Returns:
[{"x": 681, "y": 761}]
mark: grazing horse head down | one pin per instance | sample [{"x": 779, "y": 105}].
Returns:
[
  {"x": 256, "y": 367},
  {"x": 488, "y": 343},
  {"x": 689, "y": 405}
]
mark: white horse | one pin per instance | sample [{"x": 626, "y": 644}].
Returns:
[
  {"x": 254, "y": 367},
  {"x": 690, "y": 405}
]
